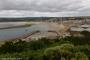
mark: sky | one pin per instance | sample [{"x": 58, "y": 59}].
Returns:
[{"x": 44, "y": 8}]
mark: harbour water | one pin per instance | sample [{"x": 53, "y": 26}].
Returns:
[{"x": 6, "y": 34}]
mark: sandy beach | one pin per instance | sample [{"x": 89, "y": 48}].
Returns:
[{"x": 12, "y": 24}]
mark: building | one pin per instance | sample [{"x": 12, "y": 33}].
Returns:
[{"x": 76, "y": 31}]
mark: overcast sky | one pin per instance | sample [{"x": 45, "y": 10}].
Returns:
[{"x": 36, "y": 8}]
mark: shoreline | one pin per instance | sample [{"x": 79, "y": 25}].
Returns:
[
  {"x": 10, "y": 25},
  {"x": 20, "y": 26},
  {"x": 52, "y": 26}
]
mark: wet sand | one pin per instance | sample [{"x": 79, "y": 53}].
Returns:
[
  {"x": 7, "y": 25},
  {"x": 11, "y": 24}
]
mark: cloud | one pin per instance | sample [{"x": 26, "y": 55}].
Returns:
[
  {"x": 44, "y": 7},
  {"x": 21, "y": 13},
  {"x": 41, "y": 5}
]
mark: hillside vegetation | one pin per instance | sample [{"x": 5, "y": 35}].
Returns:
[{"x": 67, "y": 48}]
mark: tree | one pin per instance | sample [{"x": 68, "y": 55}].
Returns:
[
  {"x": 12, "y": 47},
  {"x": 52, "y": 54},
  {"x": 67, "y": 51},
  {"x": 81, "y": 56},
  {"x": 85, "y": 33},
  {"x": 58, "y": 52}
]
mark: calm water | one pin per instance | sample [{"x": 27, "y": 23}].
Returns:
[{"x": 6, "y": 34}]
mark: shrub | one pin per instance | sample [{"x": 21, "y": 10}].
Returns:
[
  {"x": 81, "y": 56},
  {"x": 11, "y": 47},
  {"x": 56, "y": 53}
]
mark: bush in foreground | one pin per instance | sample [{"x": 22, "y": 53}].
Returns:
[{"x": 64, "y": 51}]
